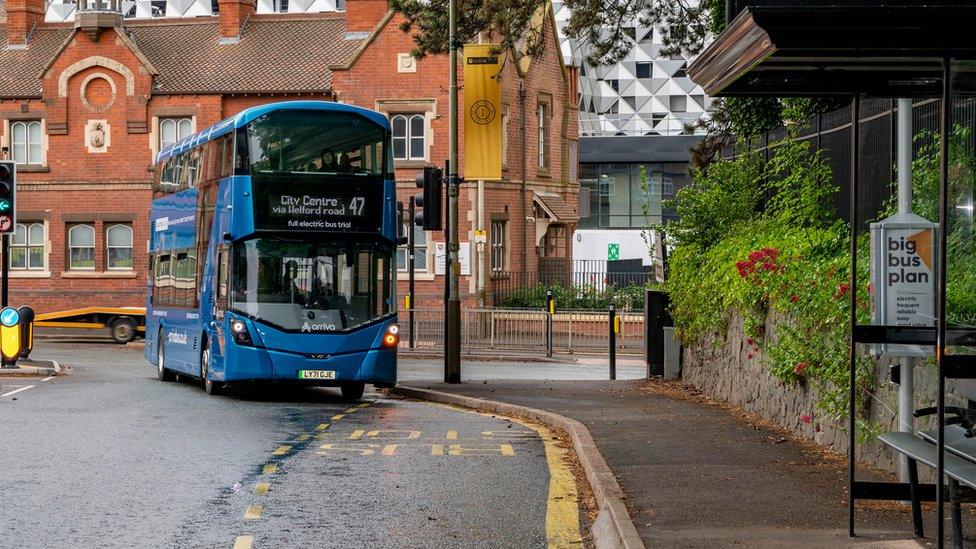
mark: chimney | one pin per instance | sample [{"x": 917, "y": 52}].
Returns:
[
  {"x": 22, "y": 16},
  {"x": 233, "y": 17},
  {"x": 362, "y": 16}
]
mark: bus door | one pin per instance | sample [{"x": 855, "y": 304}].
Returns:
[{"x": 221, "y": 296}]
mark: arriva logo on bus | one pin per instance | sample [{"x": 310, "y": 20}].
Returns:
[{"x": 318, "y": 327}]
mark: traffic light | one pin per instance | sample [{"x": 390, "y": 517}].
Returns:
[
  {"x": 8, "y": 191},
  {"x": 431, "y": 181}
]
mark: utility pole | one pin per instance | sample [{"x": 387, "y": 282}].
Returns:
[{"x": 452, "y": 347}]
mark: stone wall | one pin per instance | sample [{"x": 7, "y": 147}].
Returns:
[{"x": 726, "y": 367}]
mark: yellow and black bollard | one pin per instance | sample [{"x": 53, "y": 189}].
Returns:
[
  {"x": 10, "y": 339},
  {"x": 26, "y": 331}
]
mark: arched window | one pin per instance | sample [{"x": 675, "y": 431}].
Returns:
[
  {"x": 81, "y": 247},
  {"x": 27, "y": 247},
  {"x": 26, "y": 142},
  {"x": 409, "y": 136},
  {"x": 172, "y": 130},
  {"x": 118, "y": 247}
]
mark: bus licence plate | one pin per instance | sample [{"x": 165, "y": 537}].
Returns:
[{"x": 316, "y": 374}]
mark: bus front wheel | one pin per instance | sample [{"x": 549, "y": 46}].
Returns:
[
  {"x": 353, "y": 391},
  {"x": 210, "y": 386},
  {"x": 162, "y": 372}
]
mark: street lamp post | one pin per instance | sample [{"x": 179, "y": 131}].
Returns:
[{"x": 452, "y": 348}]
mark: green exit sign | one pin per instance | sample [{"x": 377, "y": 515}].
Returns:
[{"x": 613, "y": 252}]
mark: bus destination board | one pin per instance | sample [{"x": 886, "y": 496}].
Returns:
[{"x": 317, "y": 206}]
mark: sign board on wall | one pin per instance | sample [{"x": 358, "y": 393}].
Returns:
[
  {"x": 903, "y": 276},
  {"x": 464, "y": 257}
]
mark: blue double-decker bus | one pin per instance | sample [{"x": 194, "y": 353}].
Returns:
[{"x": 272, "y": 251}]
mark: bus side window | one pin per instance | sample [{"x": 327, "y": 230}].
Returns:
[{"x": 226, "y": 155}]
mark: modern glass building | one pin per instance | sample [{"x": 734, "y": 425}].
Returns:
[{"x": 623, "y": 184}]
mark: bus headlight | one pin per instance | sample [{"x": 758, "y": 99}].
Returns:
[
  {"x": 391, "y": 337},
  {"x": 239, "y": 330}
]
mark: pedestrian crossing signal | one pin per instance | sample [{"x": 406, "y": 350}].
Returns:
[{"x": 8, "y": 192}]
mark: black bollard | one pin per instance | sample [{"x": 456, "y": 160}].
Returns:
[{"x": 613, "y": 342}]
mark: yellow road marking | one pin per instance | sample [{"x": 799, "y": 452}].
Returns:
[
  {"x": 270, "y": 469},
  {"x": 562, "y": 509},
  {"x": 363, "y": 405},
  {"x": 389, "y": 450},
  {"x": 261, "y": 488},
  {"x": 281, "y": 450},
  {"x": 338, "y": 417},
  {"x": 358, "y": 433},
  {"x": 243, "y": 542},
  {"x": 386, "y": 433},
  {"x": 351, "y": 410},
  {"x": 302, "y": 437},
  {"x": 452, "y": 435},
  {"x": 253, "y": 512},
  {"x": 322, "y": 427}
]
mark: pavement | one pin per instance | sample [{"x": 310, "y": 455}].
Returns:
[
  {"x": 695, "y": 474},
  {"x": 111, "y": 457}
]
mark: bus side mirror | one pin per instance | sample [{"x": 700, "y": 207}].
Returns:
[
  {"x": 402, "y": 241},
  {"x": 226, "y": 236}
]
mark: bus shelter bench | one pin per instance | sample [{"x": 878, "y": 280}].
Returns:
[{"x": 959, "y": 463}]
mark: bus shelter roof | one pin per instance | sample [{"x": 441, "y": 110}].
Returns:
[{"x": 876, "y": 48}]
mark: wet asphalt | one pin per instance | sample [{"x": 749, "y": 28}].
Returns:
[{"x": 111, "y": 457}]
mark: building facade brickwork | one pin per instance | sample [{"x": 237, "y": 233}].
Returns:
[{"x": 90, "y": 103}]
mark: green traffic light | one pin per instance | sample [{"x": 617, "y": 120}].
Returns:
[{"x": 4, "y": 205}]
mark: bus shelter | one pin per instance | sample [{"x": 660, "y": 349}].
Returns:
[{"x": 912, "y": 273}]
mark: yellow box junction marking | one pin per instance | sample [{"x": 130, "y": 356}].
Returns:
[
  {"x": 261, "y": 488},
  {"x": 364, "y": 405},
  {"x": 281, "y": 450},
  {"x": 389, "y": 450},
  {"x": 322, "y": 427},
  {"x": 269, "y": 469},
  {"x": 253, "y": 512},
  {"x": 338, "y": 417},
  {"x": 452, "y": 435},
  {"x": 244, "y": 542},
  {"x": 302, "y": 437},
  {"x": 351, "y": 410}
]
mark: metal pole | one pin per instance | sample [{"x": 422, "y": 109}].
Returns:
[
  {"x": 6, "y": 270},
  {"x": 613, "y": 342},
  {"x": 940, "y": 294},
  {"x": 412, "y": 205},
  {"x": 548, "y": 323},
  {"x": 453, "y": 346},
  {"x": 906, "y": 381},
  {"x": 851, "y": 405},
  {"x": 447, "y": 285}
]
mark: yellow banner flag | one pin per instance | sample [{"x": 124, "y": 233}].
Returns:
[{"x": 482, "y": 112}]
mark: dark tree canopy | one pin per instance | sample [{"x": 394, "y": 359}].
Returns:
[{"x": 600, "y": 24}]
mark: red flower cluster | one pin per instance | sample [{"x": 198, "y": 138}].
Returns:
[
  {"x": 759, "y": 261},
  {"x": 794, "y": 298},
  {"x": 806, "y": 418},
  {"x": 800, "y": 367},
  {"x": 842, "y": 290}
]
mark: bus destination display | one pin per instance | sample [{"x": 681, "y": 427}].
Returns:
[{"x": 316, "y": 207}]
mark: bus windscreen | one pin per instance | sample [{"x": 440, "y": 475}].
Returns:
[{"x": 312, "y": 286}]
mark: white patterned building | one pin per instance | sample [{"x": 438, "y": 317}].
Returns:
[
  {"x": 644, "y": 94},
  {"x": 64, "y": 10}
]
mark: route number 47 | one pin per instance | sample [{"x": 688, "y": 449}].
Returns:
[{"x": 356, "y": 205}]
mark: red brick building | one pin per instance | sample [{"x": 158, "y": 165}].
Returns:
[{"x": 86, "y": 102}]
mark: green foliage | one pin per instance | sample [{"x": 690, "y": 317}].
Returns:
[
  {"x": 788, "y": 258},
  {"x": 723, "y": 195},
  {"x": 630, "y": 297}
]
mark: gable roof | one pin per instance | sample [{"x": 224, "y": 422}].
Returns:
[{"x": 275, "y": 55}]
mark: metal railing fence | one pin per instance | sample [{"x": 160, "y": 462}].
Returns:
[{"x": 495, "y": 328}]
